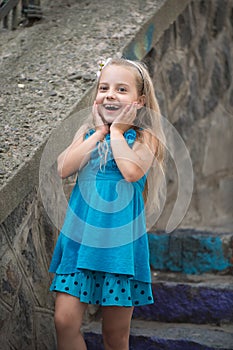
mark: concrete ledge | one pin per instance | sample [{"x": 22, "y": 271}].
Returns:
[
  {"x": 159, "y": 336},
  {"x": 207, "y": 299},
  {"x": 149, "y": 32},
  {"x": 27, "y": 177},
  {"x": 191, "y": 251}
]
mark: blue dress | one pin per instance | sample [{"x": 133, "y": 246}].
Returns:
[{"x": 102, "y": 254}]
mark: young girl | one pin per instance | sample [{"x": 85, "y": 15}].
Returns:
[{"x": 101, "y": 256}]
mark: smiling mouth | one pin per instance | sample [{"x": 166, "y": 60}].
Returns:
[{"x": 111, "y": 107}]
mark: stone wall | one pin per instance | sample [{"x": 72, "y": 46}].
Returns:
[
  {"x": 26, "y": 305},
  {"x": 191, "y": 65},
  {"x": 192, "y": 69}
]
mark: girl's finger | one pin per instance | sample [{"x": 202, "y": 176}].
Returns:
[
  {"x": 125, "y": 111},
  {"x": 94, "y": 109},
  {"x": 131, "y": 112},
  {"x": 95, "y": 112}
]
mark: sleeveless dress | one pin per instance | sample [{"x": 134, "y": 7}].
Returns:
[{"x": 102, "y": 255}]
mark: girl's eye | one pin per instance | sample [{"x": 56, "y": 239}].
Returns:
[
  {"x": 122, "y": 89},
  {"x": 103, "y": 88}
]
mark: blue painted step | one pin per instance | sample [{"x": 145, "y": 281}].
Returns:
[
  {"x": 190, "y": 251},
  {"x": 196, "y": 299},
  {"x": 159, "y": 336}
]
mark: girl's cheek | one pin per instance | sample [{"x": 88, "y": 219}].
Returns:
[{"x": 99, "y": 110}]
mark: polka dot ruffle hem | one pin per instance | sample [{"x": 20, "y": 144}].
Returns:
[{"x": 94, "y": 287}]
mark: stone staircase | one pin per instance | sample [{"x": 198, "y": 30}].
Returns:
[{"x": 193, "y": 290}]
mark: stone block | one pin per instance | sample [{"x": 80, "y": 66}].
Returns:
[
  {"x": 24, "y": 277},
  {"x": 45, "y": 330},
  {"x": 31, "y": 257},
  {"x": 11, "y": 277},
  {"x": 215, "y": 91},
  {"x": 15, "y": 219},
  {"x": 171, "y": 336},
  {"x": 5, "y": 312},
  {"x": 218, "y": 144},
  {"x": 219, "y": 17},
  {"x": 20, "y": 325},
  {"x": 226, "y": 60},
  {"x": 190, "y": 251},
  {"x": 231, "y": 98},
  {"x": 208, "y": 213},
  {"x": 225, "y": 197},
  {"x": 204, "y": 7},
  {"x": 176, "y": 78},
  {"x": 3, "y": 242},
  {"x": 48, "y": 233},
  {"x": 206, "y": 299},
  {"x": 218, "y": 215},
  {"x": 166, "y": 40},
  {"x": 193, "y": 107},
  {"x": 184, "y": 29},
  {"x": 202, "y": 48}
]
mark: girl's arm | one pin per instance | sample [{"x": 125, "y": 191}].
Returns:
[
  {"x": 78, "y": 153},
  {"x": 133, "y": 163},
  {"x": 75, "y": 156}
]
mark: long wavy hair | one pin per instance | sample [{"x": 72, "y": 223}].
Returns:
[{"x": 148, "y": 119}]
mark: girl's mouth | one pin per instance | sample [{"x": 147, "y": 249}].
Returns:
[{"x": 111, "y": 107}]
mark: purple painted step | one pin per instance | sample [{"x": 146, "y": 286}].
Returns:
[
  {"x": 193, "y": 299},
  {"x": 159, "y": 336}
]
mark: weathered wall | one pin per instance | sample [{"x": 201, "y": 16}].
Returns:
[
  {"x": 26, "y": 305},
  {"x": 192, "y": 69},
  {"x": 191, "y": 65}
]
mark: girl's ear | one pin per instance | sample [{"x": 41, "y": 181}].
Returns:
[{"x": 141, "y": 101}]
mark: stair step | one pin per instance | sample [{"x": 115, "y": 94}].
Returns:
[
  {"x": 191, "y": 251},
  {"x": 150, "y": 335},
  {"x": 199, "y": 299}
]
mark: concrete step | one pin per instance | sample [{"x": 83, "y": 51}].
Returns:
[
  {"x": 191, "y": 251},
  {"x": 199, "y": 299},
  {"x": 161, "y": 336}
]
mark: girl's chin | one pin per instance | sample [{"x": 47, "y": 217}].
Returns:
[
  {"x": 109, "y": 116},
  {"x": 108, "y": 119}
]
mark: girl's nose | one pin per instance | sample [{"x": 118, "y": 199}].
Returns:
[{"x": 110, "y": 94}]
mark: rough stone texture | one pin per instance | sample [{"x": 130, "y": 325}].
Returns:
[
  {"x": 218, "y": 158},
  {"x": 192, "y": 69},
  {"x": 191, "y": 252},
  {"x": 26, "y": 304},
  {"x": 201, "y": 300},
  {"x": 159, "y": 336}
]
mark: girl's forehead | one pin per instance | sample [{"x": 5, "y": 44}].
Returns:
[{"x": 117, "y": 72}]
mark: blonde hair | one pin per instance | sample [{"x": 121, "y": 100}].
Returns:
[{"x": 147, "y": 119}]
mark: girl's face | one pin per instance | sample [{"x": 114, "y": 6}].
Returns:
[{"x": 117, "y": 88}]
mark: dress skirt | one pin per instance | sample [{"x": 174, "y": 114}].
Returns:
[{"x": 106, "y": 289}]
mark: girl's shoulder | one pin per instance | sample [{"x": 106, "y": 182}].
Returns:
[{"x": 146, "y": 136}]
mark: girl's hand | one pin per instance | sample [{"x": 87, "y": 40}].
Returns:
[
  {"x": 126, "y": 118},
  {"x": 98, "y": 121}
]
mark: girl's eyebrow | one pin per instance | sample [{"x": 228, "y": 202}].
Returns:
[{"x": 118, "y": 83}]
